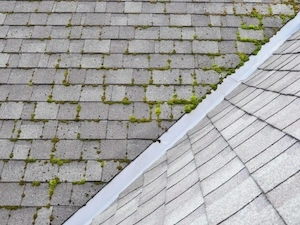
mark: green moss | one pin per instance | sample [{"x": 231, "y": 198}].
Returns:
[
  {"x": 52, "y": 185},
  {"x": 22, "y": 182},
  {"x": 50, "y": 100},
  {"x": 36, "y": 183},
  {"x": 126, "y": 101},
  {"x": 213, "y": 86},
  {"x": 102, "y": 163},
  {"x": 55, "y": 140},
  {"x": 65, "y": 80},
  {"x": 119, "y": 167},
  {"x": 251, "y": 27},
  {"x": 192, "y": 104},
  {"x": 58, "y": 161},
  {"x": 158, "y": 110},
  {"x": 78, "y": 109},
  {"x": 82, "y": 181},
  {"x": 30, "y": 160},
  {"x": 132, "y": 119}
]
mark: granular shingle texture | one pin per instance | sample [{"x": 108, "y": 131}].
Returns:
[
  {"x": 239, "y": 165},
  {"x": 86, "y": 86}
]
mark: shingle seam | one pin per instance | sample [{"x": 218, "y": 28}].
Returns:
[
  {"x": 212, "y": 156},
  {"x": 182, "y": 153},
  {"x": 136, "y": 222},
  {"x": 126, "y": 217},
  {"x": 278, "y": 65},
  {"x": 220, "y": 185},
  {"x": 182, "y": 192},
  {"x": 262, "y": 192},
  {"x": 219, "y": 168},
  {"x": 180, "y": 168},
  {"x": 193, "y": 212},
  {"x": 154, "y": 179},
  {"x": 243, "y": 208},
  {"x": 138, "y": 192},
  {"x": 200, "y": 186},
  {"x": 269, "y": 124},
  {"x": 283, "y": 181},
  {"x": 155, "y": 166},
  {"x": 216, "y": 138},
  {"x": 230, "y": 124},
  {"x": 276, "y": 92},
  {"x": 168, "y": 187},
  {"x": 286, "y": 149},
  {"x": 192, "y": 134},
  {"x": 131, "y": 192},
  {"x": 219, "y": 113},
  {"x": 245, "y": 129}
]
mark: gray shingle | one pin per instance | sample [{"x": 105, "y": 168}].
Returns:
[
  {"x": 155, "y": 171},
  {"x": 259, "y": 211},
  {"x": 294, "y": 129},
  {"x": 43, "y": 216},
  {"x": 216, "y": 163},
  {"x": 281, "y": 168},
  {"x": 190, "y": 200},
  {"x": 285, "y": 199},
  {"x": 274, "y": 106},
  {"x": 258, "y": 143},
  {"x": 11, "y": 193},
  {"x": 281, "y": 121},
  {"x": 270, "y": 153},
  {"x": 246, "y": 133},
  {"x": 21, "y": 216},
  {"x": 232, "y": 201},
  {"x": 209, "y": 151},
  {"x": 180, "y": 162},
  {"x": 35, "y": 195}
]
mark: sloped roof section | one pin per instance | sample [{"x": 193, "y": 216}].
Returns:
[
  {"x": 239, "y": 165},
  {"x": 87, "y": 86}
]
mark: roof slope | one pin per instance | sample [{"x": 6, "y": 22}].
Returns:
[
  {"x": 86, "y": 86},
  {"x": 239, "y": 165}
]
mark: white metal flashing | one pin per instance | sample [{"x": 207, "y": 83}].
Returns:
[{"x": 111, "y": 191}]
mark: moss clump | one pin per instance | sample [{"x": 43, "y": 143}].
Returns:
[
  {"x": 52, "y": 185},
  {"x": 30, "y": 160},
  {"x": 126, "y": 101},
  {"x": 158, "y": 110},
  {"x": 36, "y": 183},
  {"x": 102, "y": 163},
  {"x": 213, "y": 86},
  {"x": 58, "y": 161},
  {"x": 194, "y": 101},
  {"x": 55, "y": 140},
  {"x": 82, "y": 181},
  {"x": 119, "y": 167}
]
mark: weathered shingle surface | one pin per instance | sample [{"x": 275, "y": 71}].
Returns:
[
  {"x": 86, "y": 86},
  {"x": 239, "y": 165}
]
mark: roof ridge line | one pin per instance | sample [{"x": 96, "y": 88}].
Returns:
[{"x": 103, "y": 199}]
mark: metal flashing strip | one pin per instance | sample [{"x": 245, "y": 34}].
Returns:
[{"x": 103, "y": 199}]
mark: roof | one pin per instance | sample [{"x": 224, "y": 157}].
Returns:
[
  {"x": 87, "y": 86},
  {"x": 239, "y": 165}
]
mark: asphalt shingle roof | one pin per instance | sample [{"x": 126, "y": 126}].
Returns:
[
  {"x": 239, "y": 165},
  {"x": 86, "y": 86}
]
